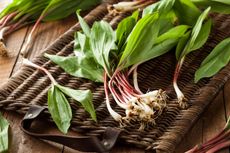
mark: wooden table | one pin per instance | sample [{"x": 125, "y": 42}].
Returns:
[{"x": 212, "y": 121}]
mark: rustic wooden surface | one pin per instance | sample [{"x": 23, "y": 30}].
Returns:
[{"x": 212, "y": 121}]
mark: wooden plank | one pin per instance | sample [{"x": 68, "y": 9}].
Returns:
[
  {"x": 214, "y": 119},
  {"x": 14, "y": 44},
  {"x": 45, "y": 34},
  {"x": 22, "y": 143},
  {"x": 192, "y": 138}
]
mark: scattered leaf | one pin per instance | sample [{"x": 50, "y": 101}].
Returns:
[
  {"x": 4, "y": 136},
  {"x": 215, "y": 61},
  {"x": 59, "y": 109},
  {"x": 82, "y": 96}
]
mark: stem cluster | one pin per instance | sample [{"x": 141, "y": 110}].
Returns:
[
  {"x": 7, "y": 26},
  {"x": 140, "y": 107},
  {"x": 220, "y": 141}
]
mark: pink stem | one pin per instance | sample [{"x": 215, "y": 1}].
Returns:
[
  {"x": 220, "y": 138},
  {"x": 126, "y": 85},
  {"x": 10, "y": 16},
  {"x": 3, "y": 20},
  {"x": 219, "y": 147},
  {"x": 18, "y": 23}
]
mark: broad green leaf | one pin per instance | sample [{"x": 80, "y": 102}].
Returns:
[
  {"x": 216, "y": 5},
  {"x": 163, "y": 44},
  {"x": 215, "y": 61},
  {"x": 163, "y": 6},
  {"x": 222, "y": 1},
  {"x": 102, "y": 41},
  {"x": 203, "y": 35},
  {"x": 124, "y": 28},
  {"x": 30, "y": 8},
  {"x": 82, "y": 67},
  {"x": 55, "y": 9},
  {"x": 151, "y": 9},
  {"x": 167, "y": 21},
  {"x": 197, "y": 34},
  {"x": 141, "y": 38},
  {"x": 4, "y": 136},
  {"x": 186, "y": 12},
  {"x": 82, "y": 46},
  {"x": 173, "y": 33},
  {"x": 59, "y": 109},
  {"x": 85, "y": 27},
  {"x": 82, "y": 96},
  {"x": 182, "y": 43}
]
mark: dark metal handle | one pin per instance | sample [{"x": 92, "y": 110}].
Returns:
[{"x": 81, "y": 143}]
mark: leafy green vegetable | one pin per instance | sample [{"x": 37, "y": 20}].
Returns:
[
  {"x": 82, "y": 96},
  {"x": 124, "y": 28},
  {"x": 59, "y": 108},
  {"x": 82, "y": 67},
  {"x": 199, "y": 35},
  {"x": 186, "y": 12},
  {"x": 220, "y": 6},
  {"x": 85, "y": 27},
  {"x": 4, "y": 136},
  {"x": 182, "y": 43},
  {"x": 216, "y": 60},
  {"x": 202, "y": 36},
  {"x": 141, "y": 38},
  {"x": 163, "y": 44},
  {"x": 55, "y": 9},
  {"x": 163, "y": 6},
  {"x": 102, "y": 41}
]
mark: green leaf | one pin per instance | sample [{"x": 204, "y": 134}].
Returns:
[
  {"x": 203, "y": 35},
  {"x": 163, "y": 44},
  {"x": 102, "y": 41},
  {"x": 82, "y": 96},
  {"x": 4, "y": 136},
  {"x": 82, "y": 67},
  {"x": 186, "y": 12},
  {"x": 163, "y": 6},
  {"x": 124, "y": 28},
  {"x": 219, "y": 6},
  {"x": 85, "y": 27},
  {"x": 197, "y": 34},
  {"x": 215, "y": 61},
  {"x": 59, "y": 109},
  {"x": 173, "y": 33},
  {"x": 55, "y": 9},
  {"x": 223, "y": 1},
  {"x": 182, "y": 43},
  {"x": 142, "y": 38}
]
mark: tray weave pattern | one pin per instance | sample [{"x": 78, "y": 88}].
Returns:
[{"x": 29, "y": 87}]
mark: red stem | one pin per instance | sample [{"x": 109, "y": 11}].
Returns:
[
  {"x": 10, "y": 16},
  {"x": 126, "y": 85},
  {"x": 36, "y": 24},
  {"x": 219, "y": 147},
  {"x": 3, "y": 20},
  {"x": 18, "y": 23},
  {"x": 218, "y": 139}
]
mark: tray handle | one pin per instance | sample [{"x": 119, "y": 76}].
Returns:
[{"x": 81, "y": 143}]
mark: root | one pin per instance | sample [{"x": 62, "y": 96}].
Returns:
[
  {"x": 113, "y": 11},
  {"x": 183, "y": 103},
  {"x": 145, "y": 109},
  {"x": 3, "y": 49}
]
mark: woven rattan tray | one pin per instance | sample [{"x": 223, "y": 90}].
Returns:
[{"x": 29, "y": 87}]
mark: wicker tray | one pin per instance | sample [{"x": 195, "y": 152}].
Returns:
[{"x": 29, "y": 87}]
